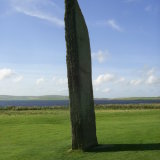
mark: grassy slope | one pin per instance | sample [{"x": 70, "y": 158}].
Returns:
[{"x": 45, "y": 135}]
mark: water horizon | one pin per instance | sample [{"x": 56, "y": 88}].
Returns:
[{"x": 49, "y": 103}]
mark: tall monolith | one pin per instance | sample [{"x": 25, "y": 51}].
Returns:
[{"x": 79, "y": 78}]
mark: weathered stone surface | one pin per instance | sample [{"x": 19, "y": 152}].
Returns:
[{"x": 79, "y": 78}]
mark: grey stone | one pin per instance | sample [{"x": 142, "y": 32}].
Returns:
[{"x": 79, "y": 78}]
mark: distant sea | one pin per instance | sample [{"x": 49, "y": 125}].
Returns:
[{"x": 49, "y": 103}]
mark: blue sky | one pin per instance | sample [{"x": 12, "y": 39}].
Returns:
[{"x": 124, "y": 36}]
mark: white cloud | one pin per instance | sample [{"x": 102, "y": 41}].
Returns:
[
  {"x": 150, "y": 72},
  {"x": 120, "y": 80},
  {"x": 148, "y": 76},
  {"x": 96, "y": 89},
  {"x": 60, "y": 81},
  {"x": 152, "y": 80},
  {"x": 151, "y": 76},
  {"x": 18, "y": 79},
  {"x": 104, "y": 78},
  {"x": 148, "y": 8},
  {"x": 101, "y": 56},
  {"x": 40, "y": 81},
  {"x": 35, "y": 8},
  {"x": 54, "y": 78},
  {"x": 136, "y": 82},
  {"x": 107, "y": 90},
  {"x": 6, "y": 73},
  {"x": 63, "y": 89},
  {"x": 113, "y": 24}
]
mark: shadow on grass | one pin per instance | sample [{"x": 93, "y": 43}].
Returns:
[{"x": 125, "y": 147}]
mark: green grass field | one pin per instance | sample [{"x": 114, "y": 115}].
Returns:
[{"x": 45, "y": 135}]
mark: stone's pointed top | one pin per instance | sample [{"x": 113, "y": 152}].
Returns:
[{"x": 70, "y": 3}]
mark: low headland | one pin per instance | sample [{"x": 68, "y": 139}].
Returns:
[{"x": 61, "y": 97}]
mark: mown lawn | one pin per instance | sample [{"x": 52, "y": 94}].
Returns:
[{"x": 45, "y": 135}]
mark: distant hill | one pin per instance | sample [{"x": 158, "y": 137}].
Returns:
[
  {"x": 46, "y": 97},
  {"x": 138, "y": 98},
  {"x": 130, "y": 98},
  {"x": 60, "y": 97}
]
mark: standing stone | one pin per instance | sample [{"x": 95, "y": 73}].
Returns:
[{"x": 79, "y": 78}]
